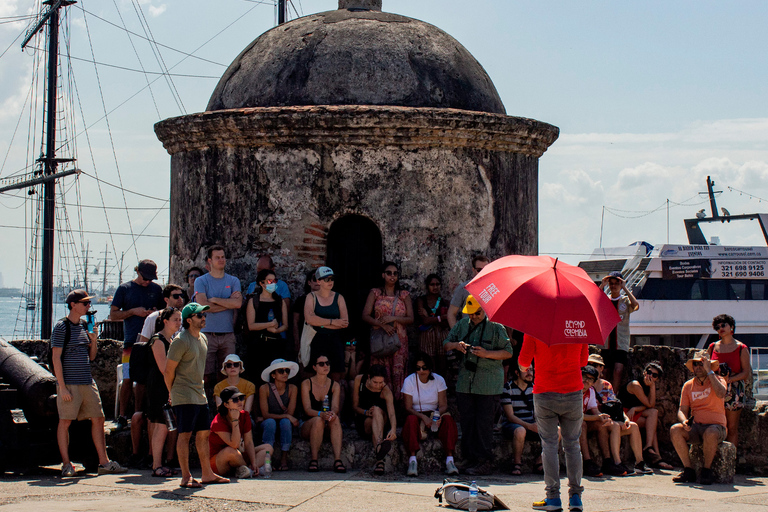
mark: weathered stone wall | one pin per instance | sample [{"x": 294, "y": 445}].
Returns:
[{"x": 439, "y": 184}]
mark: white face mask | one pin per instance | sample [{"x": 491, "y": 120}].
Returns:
[{"x": 271, "y": 287}]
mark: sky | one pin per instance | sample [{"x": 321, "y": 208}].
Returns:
[{"x": 650, "y": 98}]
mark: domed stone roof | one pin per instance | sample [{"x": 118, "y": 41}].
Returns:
[{"x": 355, "y": 56}]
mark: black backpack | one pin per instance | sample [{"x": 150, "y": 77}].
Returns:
[
  {"x": 140, "y": 362},
  {"x": 67, "y": 337}
]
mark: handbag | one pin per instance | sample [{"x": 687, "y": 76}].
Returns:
[
  {"x": 456, "y": 495},
  {"x": 383, "y": 344}
]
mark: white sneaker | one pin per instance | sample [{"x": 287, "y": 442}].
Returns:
[
  {"x": 67, "y": 470},
  {"x": 413, "y": 468},
  {"x": 450, "y": 468},
  {"x": 111, "y": 468},
  {"x": 243, "y": 472}
]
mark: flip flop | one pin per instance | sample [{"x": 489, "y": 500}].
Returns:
[
  {"x": 383, "y": 449},
  {"x": 191, "y": 484},
  {"x": 218, "y": 480}
]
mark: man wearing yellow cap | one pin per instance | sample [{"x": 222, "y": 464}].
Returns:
[{"x": 484, "y": 345}]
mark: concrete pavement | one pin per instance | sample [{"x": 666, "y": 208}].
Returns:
[{"x": 359, "y": 490}]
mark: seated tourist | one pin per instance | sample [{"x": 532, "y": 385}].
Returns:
[
  {"x": 374, "y": 405},
  {"x": 701, "y": 415},
  {"x": 424, "y": 394},
  {"x": 638, "y": 397},
  {"x": 232, "y": 368},
  {"x": 520, "y": 422},
  {"x": 594, "y": 420},
  {"x": 277, "y": 400},
  {"x": 319, "y": 418},
  {"x": 231, "y": 440}
]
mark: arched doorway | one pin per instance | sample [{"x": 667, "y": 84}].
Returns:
[{"x": 355, "y": 254}]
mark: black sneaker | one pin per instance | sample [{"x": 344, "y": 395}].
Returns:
[
  {"x": 642, "y": 469},
  {"x": 592, "y": 469},
  {"x": 707, "y": 478},
  {"x": 687, "y": 475},
  {"x": 613, "y": 469}
]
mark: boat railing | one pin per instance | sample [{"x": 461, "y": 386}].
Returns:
[{"x": 759, "y": 357}]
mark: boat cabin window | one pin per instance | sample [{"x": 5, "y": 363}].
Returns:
[{"x": 704, "y": 289}]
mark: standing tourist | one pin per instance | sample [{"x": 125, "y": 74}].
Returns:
[
  {"x": 297, "y": 308},
  {"x": 192, "y": 275},
  {"x": 484, "y": 345},
  {"x": 557, "y": 402},
  {"x": 184, "y": 372},
  {"x": 432, "y": 309},
  {"x": 132, "y": 303},
  {"x": 733, "y": 355},
  {"x": 326, "y": 311},
  {"x": 460, "y": 294},
  {"x": 265, "y": 263},
  {"x": 77, "y": 397},
  {"x": 267, "y": 319},
  {"x": 389, "y": 308},
  {"x": 221, "y": 292},
  {"x": 617, "y": 345}
]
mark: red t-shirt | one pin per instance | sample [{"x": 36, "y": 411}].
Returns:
[
  {"x": 558, "y": 367},
  {"x": 219, "y": 424}
]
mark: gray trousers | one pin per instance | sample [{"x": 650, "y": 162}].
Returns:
[{"x": 565, "y": 410}]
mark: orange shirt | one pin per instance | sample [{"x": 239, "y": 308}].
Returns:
[{"x": 705, "y": 405}]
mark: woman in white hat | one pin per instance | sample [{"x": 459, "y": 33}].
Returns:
[
  {"x": 277, "y": 400},
  {"x": 232, "y": 368}
]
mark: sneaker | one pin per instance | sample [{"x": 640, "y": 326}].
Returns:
[
  {"x": 67, "y": 470},
  {"x": 592, "y": 469},
  {"x": 450, "y": 468},
  {"x": 243, "y": 472},
  {"x": 687, "y": 475},
  {"x": 550, "y": 504},
  {"x": 642, "y": 469},
  {"x": 613, "y": 469},
  {"x": 413, "y": 469},
  {"x": 707, "y": 478},
  {"x": 111, "y": 468},
  {"x": 574, "y": 503},
  {"x": 121, "y": 423}
]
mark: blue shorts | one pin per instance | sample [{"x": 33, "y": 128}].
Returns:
[
  {"x": 508, "y": 431},
  {"x": 192, "y": 418}
]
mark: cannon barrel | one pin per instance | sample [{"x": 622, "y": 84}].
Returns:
[{"x": 36, "y": 386}]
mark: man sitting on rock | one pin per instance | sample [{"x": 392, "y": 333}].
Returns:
[
  {"x": 703, "y": 398},
  {"x": 520, "y": 423}
]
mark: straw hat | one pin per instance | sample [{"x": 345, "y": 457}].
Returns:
[
  {"x": 280, "y": 363},
  {"x": 698, "y": 357},
  {"x": 596, "y": 358}
]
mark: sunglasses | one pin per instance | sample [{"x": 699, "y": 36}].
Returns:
[
  {"x": 176, "y": 295},
  {"x": 323, "y": 363},
  {"x": 352, "y": 343},
  {"x": 697, "y": 363},
  {"x": 652, "y": 374},
  {"x": 200, "y": 315},
  {"x": 721, "y": 326},
  {"x": 282, "y": 371},
  {"x": 231, "y": 365},
  {"x": 328, "y": 279},
  {"x": 477, "y": 313},
  {"x": 238, "y": 398},
  {"x": 86, "y": 303},
  {"x": 420, "y": 368},
  {"x": 392, "y": 272}
]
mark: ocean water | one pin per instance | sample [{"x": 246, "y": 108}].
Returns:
[{"x": 13, "y": 319}]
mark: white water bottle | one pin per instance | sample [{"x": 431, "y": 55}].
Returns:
[
  {"x": 326, "y": 404},
  {"x": 435, "y": 419},
  {"x": 472, "y": 505},
  {"x": 268, "y": 466}
]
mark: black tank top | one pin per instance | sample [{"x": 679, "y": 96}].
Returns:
[
  {"x": 314, "y": 403},
  {"x": 368, "y": 398}
]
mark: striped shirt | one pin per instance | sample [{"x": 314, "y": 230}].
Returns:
[
  {"x": 75, "y": 358},
  {"x": 520, "y": 400}
]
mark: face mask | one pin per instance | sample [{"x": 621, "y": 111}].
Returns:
[{"x": 271, "y": 288}]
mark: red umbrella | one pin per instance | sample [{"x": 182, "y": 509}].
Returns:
[{"x": 546, "y": 298}]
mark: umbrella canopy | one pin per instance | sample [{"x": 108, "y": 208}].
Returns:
[{"x": 548, "y": 299}]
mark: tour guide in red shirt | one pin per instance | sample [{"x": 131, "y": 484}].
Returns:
[{"x": 557, "y": 400}]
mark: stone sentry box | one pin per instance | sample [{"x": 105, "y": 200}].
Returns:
[{"x": 348, "y": 137}]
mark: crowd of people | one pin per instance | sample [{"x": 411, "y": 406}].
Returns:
[{"x": 300, "y": 371}]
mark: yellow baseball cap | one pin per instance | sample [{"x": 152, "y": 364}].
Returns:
[{"x": 471, "y": 306}]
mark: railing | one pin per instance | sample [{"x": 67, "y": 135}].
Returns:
[{"x": 759, "y": 357}]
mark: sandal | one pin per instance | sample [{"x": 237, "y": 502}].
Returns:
[
  {"x": 654, "y": 460},
  {"x": 517, "y": 470},
  {"x": 338, "y": 466},
  {"x": 162, "y": 472},
  {"x": 378, "y": 469},
  {"x": 313, "y": 467},
  {"x": 383, "y": 449}
]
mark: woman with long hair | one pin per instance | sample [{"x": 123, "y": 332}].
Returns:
[
  {"x": 167, "y": 325},
  {"x": 432, "y": 309},
  {"x": 389, "y": 308},
  {"x": 374, "y": 405},
  {"x": 266, "y": 319}
]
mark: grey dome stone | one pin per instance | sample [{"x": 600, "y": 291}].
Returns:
[{"x": 356, "y": 57}]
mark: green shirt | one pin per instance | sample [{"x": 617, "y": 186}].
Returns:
[
  {"x": 190, "y": 353},
  {"x": 488, "y": 378}
]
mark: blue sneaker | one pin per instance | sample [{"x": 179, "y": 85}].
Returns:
[
  {"x": 550, "y": 504},
  {"x": 574, "y": 503}
]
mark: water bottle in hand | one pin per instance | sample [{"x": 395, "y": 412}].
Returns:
[
  {"x": 326, "y": 404},
  {"x": 435, "y": 419},
  {"x": 170, "y": 418},
  {"x": 268, "y": 466},
  {"x": 472, "y": 505}
]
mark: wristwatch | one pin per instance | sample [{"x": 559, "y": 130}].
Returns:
[{"x": 710, "y": 372}]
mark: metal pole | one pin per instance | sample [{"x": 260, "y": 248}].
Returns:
[
  {"x": 281, "y": 8},
  {"x": 49, "y": 194}
]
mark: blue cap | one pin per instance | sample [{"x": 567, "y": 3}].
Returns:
[{"x": 323, "y": 272}]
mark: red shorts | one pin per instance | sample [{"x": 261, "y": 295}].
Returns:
[{"x": 635, "y": 417}]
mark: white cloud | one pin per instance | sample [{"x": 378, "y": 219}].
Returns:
[{"x": 156, "y": 11}]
